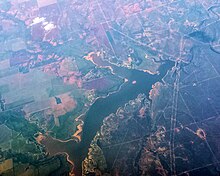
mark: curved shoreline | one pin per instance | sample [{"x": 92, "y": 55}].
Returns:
[{"x": 105, "y": 105}]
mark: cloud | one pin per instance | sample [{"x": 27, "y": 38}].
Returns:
[
  {"x": 49, "y": 26},
  {"x": 38, "y": 20}
]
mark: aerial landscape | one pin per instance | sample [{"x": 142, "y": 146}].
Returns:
[{"x": 109, "y": 88}]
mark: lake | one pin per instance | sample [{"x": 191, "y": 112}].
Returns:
[{"x": 105, "y": 106}]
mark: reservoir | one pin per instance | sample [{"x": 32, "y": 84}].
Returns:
[{"x": 105, "y": 106}]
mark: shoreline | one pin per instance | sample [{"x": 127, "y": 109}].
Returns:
[{"x": 76, "y": 150}]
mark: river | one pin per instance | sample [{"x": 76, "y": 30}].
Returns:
[{"x": 105, "y": 106}]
